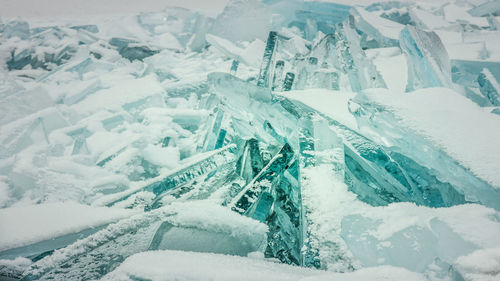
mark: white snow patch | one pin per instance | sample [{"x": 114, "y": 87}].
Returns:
[
  {"x": 481, "y": 265},
  {"x": 175, "y": 265}
]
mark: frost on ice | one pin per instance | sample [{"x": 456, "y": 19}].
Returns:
[{"x": 278, "y": 140}]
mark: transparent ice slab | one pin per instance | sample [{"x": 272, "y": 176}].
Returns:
[
  {"x": 170, "y": 227},
  {"x": 428, "y": 63},
  {"x": 335, "y": 62},
  {"x": 439, "y": 179}
]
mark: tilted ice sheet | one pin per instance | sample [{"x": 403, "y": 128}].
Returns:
[
  {"x": 29, "y": 224},
  {"x": 438, "y": 115}
]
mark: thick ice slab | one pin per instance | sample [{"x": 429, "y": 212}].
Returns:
[
  {"x": 429, "y": 113},
  {"x": 30, "y": 224},
  {"x": 102, "y": 252}
]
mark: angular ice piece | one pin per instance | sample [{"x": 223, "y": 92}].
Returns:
[
  {"x": 237, "y": 90},
  {"x": 251, "y": 162},
  {"x": 88, "y": 27},
  {"x": 243, "y": 20},
  {"x": 199, "y": 227},
  {"x": 267, "y": 60},
  {"x": 273, "y": 196},
  {"x": 201, "y": 165},
  {"x": 491, "y": 7},
  {"x": 130, "y": 50},
  {"x": 398, "y": 15},
  {"x": 248, "y": 195},
  {"x": 309, "y": 16},
  {"x": 493, "y": 22},
  {"x": 384, "y": 32},
  {"x": 16, "y": 28},
  {"x": 213, "y": 133},
  {"x": 80, "y": 146},
  {"x": 201, "y": 26},
  {"x": 112, "y": 122},
  {"x": 414, "y": 246},
  {"x": 438, "y": 179},
  {"x": 278, "y": 76},
  {"x": 110, "y": 155},
  {"x": 385, "y": 6},
  {"x": 341, "y": 63},
  {"x": 234, "y": 67},
  {"x": 465, "y": 72},
  {"x": 322, "y": 174},
  {"x": 81, "y": 91},
  {"x": 428, "y": 63},
  {"x": 288, "y": 82},
  {"x": 262, "y": 209},
  {"x": 489, "y": 86}
]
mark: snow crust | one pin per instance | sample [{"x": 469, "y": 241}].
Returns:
[{"x": 45, "y": 221}]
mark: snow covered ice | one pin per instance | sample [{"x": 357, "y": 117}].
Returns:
[{"x": 254, "y": 140}]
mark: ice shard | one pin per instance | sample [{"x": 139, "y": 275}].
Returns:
[
  {"x": 267, "y": 61},
  {"x": 383, "y": 32},
  {"x": 337, "y": 62},
  {"x": 489, "y": 86},
  {"x": 278, "y": 76},
  {"x": 428, "y": 63},
  {"x": 288, "y": 82},
  {"x": 129, "y": 49},
  {"x": 234, "y": 67},
  {"x": 163, "y": 183}
]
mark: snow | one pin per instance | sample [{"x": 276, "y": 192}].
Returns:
[
  {"x": 391, "y": 64},
  {"x": 438, "y": 115},
  {"x": 481, "y": 265},
  {"x": 175, "y": 265},
  {"x": 25, "y": 225}
]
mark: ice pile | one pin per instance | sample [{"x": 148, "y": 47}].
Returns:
[{"x": 357, "y": 140}]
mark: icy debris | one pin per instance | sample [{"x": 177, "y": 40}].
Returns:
[
  {"x": 428, "y": 63},
  {"x": 308, "y": 17},
  {"x": 489, "y": 86},
  {"x": 16, "y": 28},
  {"x": 491, "y": 7},
  {"x": 384, "y": 32},
  {"x": 335, "y": 62},
  {"x": 180, "y": 176},
  {"x": 130, "y": 50}
]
